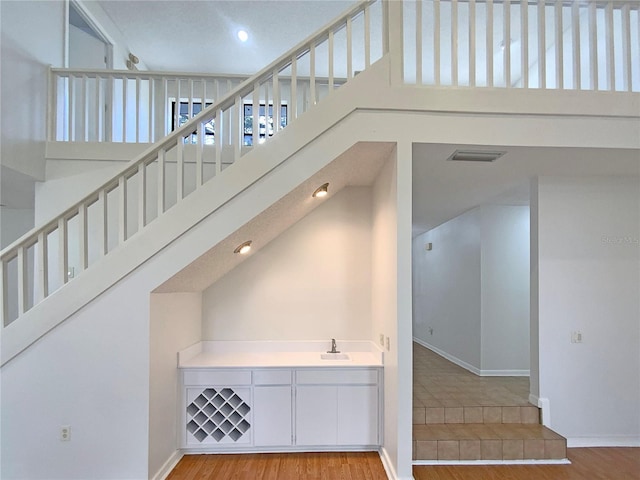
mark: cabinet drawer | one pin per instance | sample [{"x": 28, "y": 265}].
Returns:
[
  {"x": 272, "y": 377},
  {"x": 337, "y": 377},
  {"x": 217, "y": 377}
]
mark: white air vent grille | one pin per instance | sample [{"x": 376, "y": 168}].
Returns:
[{"x": 484, "y": 156}]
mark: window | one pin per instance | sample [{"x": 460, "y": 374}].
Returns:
[
  {"x": 184, "y": 118},
  {"x": 265, "y": 123}
]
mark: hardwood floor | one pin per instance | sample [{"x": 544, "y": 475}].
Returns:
[
  {"x": 274, "y": 466},
  {"x": 587, "y": 464}
]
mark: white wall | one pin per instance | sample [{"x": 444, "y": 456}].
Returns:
[
  {"x": 32, "y": 39},
  {"x": 447, "y": 288},
  {"x": 471, "y": 291},
  {"x": 175, "y": 323},
  {"x": 589, "y": 279},
  {"x": 312, "y": 282},
  {"x": 505, "y": 289}
]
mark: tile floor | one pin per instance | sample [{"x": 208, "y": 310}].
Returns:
[{"x": 458, "y": 415}]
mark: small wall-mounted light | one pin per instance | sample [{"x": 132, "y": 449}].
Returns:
[
  {"x": 132, "y": 61},
  {"x": 321, "y": 191},
  {"x": 243, "y": 248}
]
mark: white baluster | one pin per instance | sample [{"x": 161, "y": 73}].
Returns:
[
  {"x": 152, "y": 109},
  {"x": 611, "y": 70},
  {"x": 83, "y": 237},
  {"x": 367, "y": 37},
  {"x": 419, "y": 42},
  {"x": 331, "y": 60},
  {"x": 626, "y": 47},
  {"x": 489, "y": 43},
  {"x": 125, "y": 94},
  {"x": 199, "y": 152},
  {"x": 255, "y": 114},
  {"x": 138, "y": 108},
  {"x": 472, "y": 43},
  {"x": 100, "y": 111},
  {"x": 349, "y": 49},
  {"x": 454, "y": 42},
  {"x": 276, "y": 102},
  {"x": 542, "y": 49},
  {"x": 179, "y": 169},
  {"x": 104, "y": 226},
  {"x": 122, "y": 209},
  {"x": 84, "y": 105},
  {"x": 161, "y": 182},
  {"x": 72, "y": 109},
  {"x": 436, "y": 42},
  {"x": 176, "y": 116},
  {"x": 524, "y": 42},
  {"x": 217, "y": 128},
  {"x": 293, "y": 113},
  {"x": 593, "y": 46},
  {"x": 142, "y": 195},
  {"x": 43, "y": 267},
  {"x": 63, "y": 251},
  {"x": 22, "y": 280},
  {"x": 165, "y": 102},
  {"x": 575, "y": 32},
  {"x": 506, "y": 42},
  {"x": 237, "y": 128},
  {"x": 312, "y": 74},
  {"x": 559, "y": 46}
]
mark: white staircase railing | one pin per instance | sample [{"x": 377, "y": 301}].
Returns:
[
  {"x": 49, "y": 257},
  {"x": 546, "y": 44},
  {"x": 128, "y": 106}
]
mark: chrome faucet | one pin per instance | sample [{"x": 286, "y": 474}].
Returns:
[{"x": 333, "y": 347}]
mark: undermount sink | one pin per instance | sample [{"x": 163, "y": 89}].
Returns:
[{"x": 334, "y": 356}]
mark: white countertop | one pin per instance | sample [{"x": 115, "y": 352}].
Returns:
[{"x": 230, "y": 354}]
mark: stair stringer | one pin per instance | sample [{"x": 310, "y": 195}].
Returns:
[{"x": 192, "y": 210}]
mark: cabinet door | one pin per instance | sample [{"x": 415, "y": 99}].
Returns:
[
  {"x": 271, "y": 415},
  {"x": 358, "y": 415},
  {"x": 316, "y": 415}
]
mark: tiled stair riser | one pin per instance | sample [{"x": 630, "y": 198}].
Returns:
[
  {"x": 475, "y": 415},
  {"x": 487, "y": 442}
]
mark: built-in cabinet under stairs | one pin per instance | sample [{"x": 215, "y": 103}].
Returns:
[{"x": 461, "y": 416}]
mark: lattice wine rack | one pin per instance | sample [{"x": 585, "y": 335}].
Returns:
[{"x": 218, "y": 415}]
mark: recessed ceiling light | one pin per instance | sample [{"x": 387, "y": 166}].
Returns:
[
  {"x": 321, "y": 191},
  {"x": 243, "y": 248},
  {"x": 243, "y": 36}
]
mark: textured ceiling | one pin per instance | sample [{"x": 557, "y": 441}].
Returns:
[
  {"x": 200, "y": 35},
  {"x": 358, "y": 166}
]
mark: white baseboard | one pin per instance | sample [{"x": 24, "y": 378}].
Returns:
[
  {"x": 472, "y": 368},
  {"x": 607, "y": 441},
  {"x": 563, "y": 461},
  {"x": 168, "y": 466},
  {"x": 388, "y": 466}
]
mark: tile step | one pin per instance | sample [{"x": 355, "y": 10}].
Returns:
[
  {"x": 476, "y": 414},
  {"x": 487, "y": 442}
]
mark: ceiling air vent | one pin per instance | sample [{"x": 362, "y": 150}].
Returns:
[{"x": 475, "y": 156}]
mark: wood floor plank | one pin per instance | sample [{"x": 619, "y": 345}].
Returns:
[{"x": 587, "y": 464}]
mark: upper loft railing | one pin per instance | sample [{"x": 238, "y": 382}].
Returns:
[
  {"x": 552, "y": 44},
  {"x": 48, "y": 257}
]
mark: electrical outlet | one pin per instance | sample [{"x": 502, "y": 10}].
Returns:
[
  {"x": 65, "y": 433},
  {"x": 388, "y": 344},
  {"x": 382, "y": 339},
  {"x": 576, "y": 337}
]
